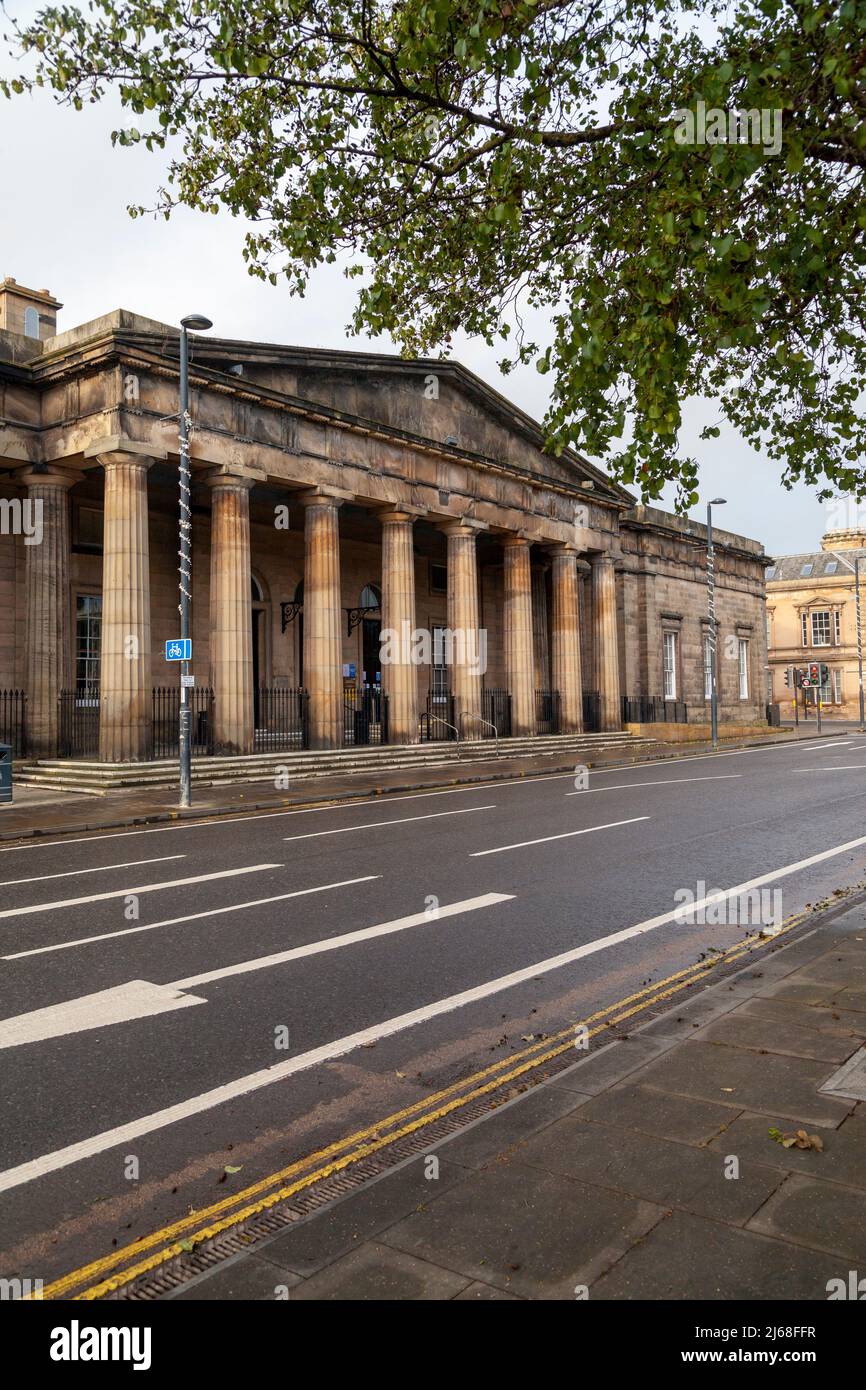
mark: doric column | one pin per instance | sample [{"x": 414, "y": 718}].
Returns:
[
  {"x": 125, "y": 692},
  {"x": 565, "y": 640},
  {"x": 540, "y": 628},
  {"x": 48, "y": 645},
  {"x": 399, "y": 674},
  {"x": 323, "y": 641},
  {"x": 467, "y": 646},
  {"x": 604, "y": 641},
  {"x": 519, "y": 654},
  {"x": 231, "y": 613}
]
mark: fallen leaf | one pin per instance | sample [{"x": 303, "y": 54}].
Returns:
[{"x": 234, "y": 1167}]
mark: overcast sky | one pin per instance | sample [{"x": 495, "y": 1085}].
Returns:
[{"x": 64, "y": 226}]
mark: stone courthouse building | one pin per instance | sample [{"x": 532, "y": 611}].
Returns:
[{"x": 337, "y": 496}]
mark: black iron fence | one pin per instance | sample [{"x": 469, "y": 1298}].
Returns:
[
  {"x": 496, "y": 710},
  {"x": 547, "y": 711},
  {"x": 282, "y": 719},
  {"x": 12, "y": 728},
  {"x": 653, "y": 709},
  {"x": 78, "y": 735},
  {"x": 166, "y": 721},
  {"x": 365, "y": 715},
  {"x": 591, "y": 712},
  {"x": 438, "y": 719}
]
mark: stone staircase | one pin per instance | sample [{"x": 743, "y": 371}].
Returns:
[{"x": 99, "y": 778}]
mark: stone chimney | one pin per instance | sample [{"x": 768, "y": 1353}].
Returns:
[{"x": 29, "y": 313}]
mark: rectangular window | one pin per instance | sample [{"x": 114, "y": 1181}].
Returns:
[
  {"x": 837, "y": 628},
  {"x": 88, "y": 637},
  {"x": 708, "y": 669},
  {"x": 88, "y": 524},
  {"x": 804, "y": 627},
  {"x": 438, "y": 579},
  {"x": 821, "y": 628},
  {"x": 743, "y": 647},
  {"x": 836, "y": 677},
  {"x": 439, "y": 672},
  {"x": 670, "y": 665}
]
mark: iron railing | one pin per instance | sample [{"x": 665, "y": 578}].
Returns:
[
  {"x": 165, "y": 701},
  {"x": 496, "y": 709},
  {"x": 282, "y": 719},
  {"x": 365, "y": 715},
  {"x": 12, "y": 726},
  {"x": 547, "y": 711},
  {"x": 438, "y": 720},
  {"x": 653, "y": 709},
  {"x": 78, "y": 734}
]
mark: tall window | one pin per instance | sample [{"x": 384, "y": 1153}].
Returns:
[
  {"x": 670, "y": 665},
  {"x": 88, "y": 636},
  {"x": 31, "y": 323},
  {"x": 821, "y": 628},
  {"x": 836, "y": 677},
  {"x": 804, "y": 628},
  {"x": 743, "y": 652},
  {"x": 837, "y": 627},
  {"x": 708, "y": 669},
  {"x": 439, "y": 671}
]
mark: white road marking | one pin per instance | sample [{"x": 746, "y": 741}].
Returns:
[
  {"x": 377, "y": 824},
  {"x": 101, "y": 869},
  {"x": 839, "y": 767},
  {"x": 566, "y": 835},
  {"x": 658, "y": 782},
  {"x": 820, "y": 745},
  {"x": 339, "y": 1047},
  {"x": 189, "y": 917},
  {"x": 141, "y": 999},
  {"x": 132, "y": 1000},
  {"x": 334, "y": 943},
  {"x": 140, "y": 888}
]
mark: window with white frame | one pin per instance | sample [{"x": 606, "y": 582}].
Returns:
[
  {"x": 88, "y": 641},
  {"x": 821, "y": 627},
  {"x": 670, "y": 665},
  {"x": 743, "y": 652},
  {"x": 836, "y": 677},
  {"x": 804, "y": 628},
  {"x": 837, "y": 627},
  {"x": 708, "y": 669}
]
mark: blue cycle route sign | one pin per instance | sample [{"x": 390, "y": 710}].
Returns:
[{"x": 179, "y": 649}]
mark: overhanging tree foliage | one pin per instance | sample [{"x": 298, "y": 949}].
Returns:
[{"x": 479, "y": 157}]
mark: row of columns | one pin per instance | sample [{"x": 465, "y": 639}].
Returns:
[{"x": 125, "y": 679}]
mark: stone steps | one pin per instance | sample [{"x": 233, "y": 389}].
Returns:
[{"x": 98, "y": 778}]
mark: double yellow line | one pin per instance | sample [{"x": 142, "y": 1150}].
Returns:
[{"x": 183, "y": 1235}]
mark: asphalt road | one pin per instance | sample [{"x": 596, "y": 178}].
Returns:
[{"x": 255, "y": 1016}]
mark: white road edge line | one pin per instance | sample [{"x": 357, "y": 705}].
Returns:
[
  {"x": 189, "y": 917},
  {"x": 140, "y": 888},
  {"x": 659, "y": 782},
  {"x": 377, "y": 824},
  {"x": 339, "y": 1047},
  {"x": 100, "y": 869},
  {"x": 840, "y": 767},
  {"x": 566, "y": 835}
]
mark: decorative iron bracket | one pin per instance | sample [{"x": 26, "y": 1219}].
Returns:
[
  {"x": 355, "y": 616},
  {"x": 288, "y": 613}
]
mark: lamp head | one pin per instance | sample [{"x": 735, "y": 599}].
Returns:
[
  {"x": 718, "y": 501},
  {"x": 197, "y": 322}
]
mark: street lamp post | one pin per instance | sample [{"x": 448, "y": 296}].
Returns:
[
  {"x": 199, "y": 323},
  {"x": 856, "y": 568},
  {"x": 711, "y": 613}
]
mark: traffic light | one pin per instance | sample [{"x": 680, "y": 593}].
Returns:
[
  {"x": 814, "y": 673},
  {"x": 825, "y": 673},
  {"x": 788, "y": 670}
]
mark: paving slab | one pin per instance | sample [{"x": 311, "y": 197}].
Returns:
[
  {"x": 535, "y": 1234},
  {"x": 376, "y": 1273},
  {"x": 843, "y": 1158},
  {"x": 611, "y": 1063},
  {"x": 785, "y": 1086},
  {"x": 816, "y": 1017},
  {"x": 823, "y": 1215},
  {"x": 659, "y": 1170},
  {"x": 630, "y": 1105},
  {"x": 850, "y": 1080},
  {"x": 242, "y": 1277},
  {"x": 506, "y": 1127},
  {"x": 773, "y": 1035},
  {"x": 485, "y": 1293}
]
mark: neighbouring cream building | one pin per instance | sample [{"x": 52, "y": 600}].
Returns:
[
  {"x": 336, "y": 496},
  {"x": 812, "y": 616}
]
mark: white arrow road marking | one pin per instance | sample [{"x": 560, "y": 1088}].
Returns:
[
  {"x": 189, "y": 917},
  {"x": 101, "y": 869},
  {"x": 660, "y": 782},
  {"x": 377, "y": 824},
  {"x": 122, "y": 1004},
  {"x": 141, "y": 888},
  {"x": 254, "y": 1081},
  {"x": 566, "y": 835},
  {"x": 138, "y": 999}
]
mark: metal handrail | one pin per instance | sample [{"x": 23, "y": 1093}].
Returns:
[
  {"x": 439, "y": 720},
  {"x": 468, "y": 714}
]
